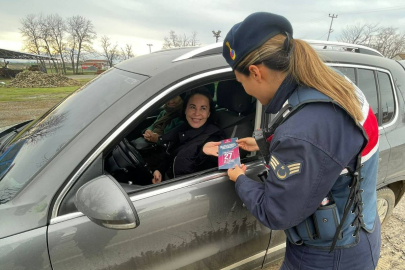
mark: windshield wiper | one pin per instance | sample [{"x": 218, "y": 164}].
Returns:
[{"x": 9, "y": 139}]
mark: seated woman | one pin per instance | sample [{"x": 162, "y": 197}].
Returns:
[
  {"x": 188, "y": 147},
  {"x": 167, "y": 120}
]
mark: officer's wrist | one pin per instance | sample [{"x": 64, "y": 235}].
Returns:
[{"x": 239, "y": 176}]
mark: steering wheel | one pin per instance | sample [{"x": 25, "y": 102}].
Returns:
[{"x": 126, "y": 156}]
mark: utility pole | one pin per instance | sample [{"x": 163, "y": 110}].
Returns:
[
  {"x": 150, "y": 45},
  {"x": 217, "y": 35},
  {"x": 330, "y": 28}
]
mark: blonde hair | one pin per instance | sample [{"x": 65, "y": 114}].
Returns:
[{"x": 305, "y": 66}]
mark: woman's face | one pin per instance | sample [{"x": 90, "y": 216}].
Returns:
[
  {"x": 261, "y": 83},
  {"x": 197, "y": 110}
]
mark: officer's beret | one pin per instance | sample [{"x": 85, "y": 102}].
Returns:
[{"x": 250, "y": 34}]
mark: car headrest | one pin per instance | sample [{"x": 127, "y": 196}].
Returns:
[
  {"x": 211, "y": 89},
  {"x": 232, "y": 96}
]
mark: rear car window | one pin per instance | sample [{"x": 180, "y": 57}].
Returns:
[
  {"x": 36, "y": 146},
  {"x": 349, "y": 72},
  {"x": 387, "y": 97},
  {"x": 367, "y": 84}
]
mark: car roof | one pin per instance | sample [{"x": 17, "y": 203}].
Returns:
[
  {"x": 153, "y": 63},
  {"x": 211, "y": 56}
]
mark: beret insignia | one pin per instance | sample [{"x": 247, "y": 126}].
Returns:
[{"x": 231, "y": 51}]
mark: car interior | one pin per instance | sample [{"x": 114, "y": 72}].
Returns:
[
  {"x": 126, "y": 160},
  {"x": 235, "y": 114}
]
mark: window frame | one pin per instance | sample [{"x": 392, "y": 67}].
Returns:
[
  {"x": 380, "y": 98},
  {"x": 56, "y": 218},
  {"x": 393, "y": 88}
]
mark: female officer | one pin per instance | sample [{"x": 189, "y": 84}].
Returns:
[{"x": 323, "y": 154}]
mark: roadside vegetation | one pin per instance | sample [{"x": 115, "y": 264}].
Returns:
[{"x": 21, "y": 104}]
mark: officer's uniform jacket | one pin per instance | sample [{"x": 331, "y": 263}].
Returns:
[{"x": 309, "y": 153}]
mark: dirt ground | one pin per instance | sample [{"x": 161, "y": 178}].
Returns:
[
  {"x": 392, "y": 256},
  {"x": 17, "y": 112}
]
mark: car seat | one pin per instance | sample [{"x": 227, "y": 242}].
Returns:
[{"x": 236, "y": 111}]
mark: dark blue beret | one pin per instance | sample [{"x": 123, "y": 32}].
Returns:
[{"x": 254, "y": 31}]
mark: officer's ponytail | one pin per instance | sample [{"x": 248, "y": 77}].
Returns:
[{"x": 305, "y": 66}]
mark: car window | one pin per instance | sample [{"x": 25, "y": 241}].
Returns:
[
  {"x": 387, "y": 97},
  {"x": 349, "y": 72},
  {"x": 35, "y": 146},
  {"x": 133, "y": 178},
  {"x": 235, "y": 113},
  {"x": 367, "y": 84}
]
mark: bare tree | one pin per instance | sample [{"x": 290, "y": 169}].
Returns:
[
  {"x": 359, "y": 33},
  {"x": 110, "y": 51},
  {"x": 70, "y": 51},
  {"x": 57, "y": 30},
  {"x": 127, "y": 52},
  {"x": 31, "y": 32},
  {"x": 171, "y": 41},
  {"x": 82, "y": 34},
  {"x": 193, "y": 39},
  {"x": 174, "y": 40},
  {"x": 46, "y": 37},
  {"x": 387, "y": 40}
]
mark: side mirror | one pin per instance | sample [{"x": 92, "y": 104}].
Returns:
[{"x": 105, "y": 203}]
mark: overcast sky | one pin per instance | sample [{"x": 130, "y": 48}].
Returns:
[{"x": 139, "y": 22}]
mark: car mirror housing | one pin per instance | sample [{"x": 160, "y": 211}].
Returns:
[{"x": 105, "y": 203}]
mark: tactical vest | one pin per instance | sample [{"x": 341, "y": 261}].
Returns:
[{"x": 354, "y": 192}]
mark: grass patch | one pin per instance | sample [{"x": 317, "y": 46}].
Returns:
[
  {"x": 21, "y": 104},
  {"x": 26, "y": 94}
]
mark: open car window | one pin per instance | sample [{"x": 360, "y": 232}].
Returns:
[{"x": 235, "y": 112}]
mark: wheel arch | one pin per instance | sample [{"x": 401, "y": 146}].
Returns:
[{"x": 398, "y": 188}]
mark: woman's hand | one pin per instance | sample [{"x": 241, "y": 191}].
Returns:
[
  {"x": 248, "y": 144},
  {"x": 151, "y": 136},
  {"x": 157, "y": 177},
  {"x": 211, "y": 148},
  {"x": 234, "y": 173}
]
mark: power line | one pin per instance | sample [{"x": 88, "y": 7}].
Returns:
[{"x": 322, "y": 36}]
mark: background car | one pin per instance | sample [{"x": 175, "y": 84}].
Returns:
[{"x": 61, "y": 162}]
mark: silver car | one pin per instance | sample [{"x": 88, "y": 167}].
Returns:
[{"x": 63, "y": 205}]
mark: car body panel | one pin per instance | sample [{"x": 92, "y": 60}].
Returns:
[
  {"x": 26, "y": 250},
  {"x": 201, "y": 226}
]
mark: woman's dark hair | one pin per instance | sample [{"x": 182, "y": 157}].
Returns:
[{"x": 204, "y": 92}]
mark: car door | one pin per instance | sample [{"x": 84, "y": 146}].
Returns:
[
  {"x": 194, "y": 222},
  {"x": 393, "y": 128},
  {"x": 366, "y": 79}
]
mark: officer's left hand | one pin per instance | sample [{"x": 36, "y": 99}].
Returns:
[{"x": 236, "y": 172}]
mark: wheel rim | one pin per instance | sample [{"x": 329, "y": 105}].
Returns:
[{"x": 382, "y": 208}]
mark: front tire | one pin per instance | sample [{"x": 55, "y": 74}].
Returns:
[{"x": 385, "y": 203}]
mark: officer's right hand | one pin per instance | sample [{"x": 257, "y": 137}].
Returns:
[
  {"x": 157, "y": 177},
  {"x": 248, "y": 144}
]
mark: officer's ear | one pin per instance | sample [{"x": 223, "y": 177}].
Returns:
[{"x": 254, "y": 73}]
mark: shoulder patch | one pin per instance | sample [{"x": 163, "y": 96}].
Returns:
[{"x": 283, "y": 171}]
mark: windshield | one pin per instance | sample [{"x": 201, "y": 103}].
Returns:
[{"x": 36, "y": 145}]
